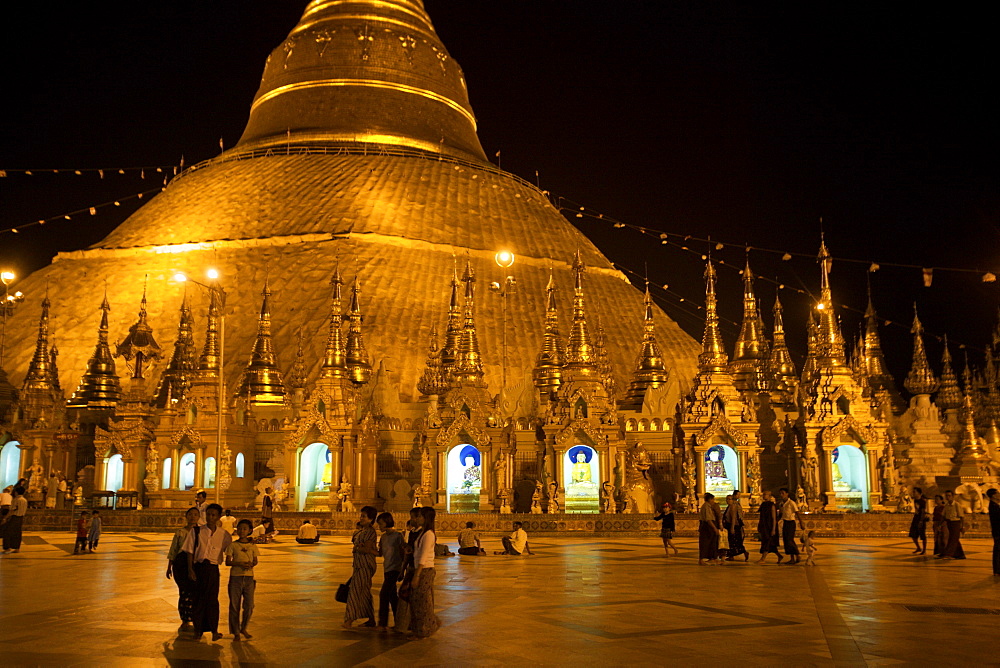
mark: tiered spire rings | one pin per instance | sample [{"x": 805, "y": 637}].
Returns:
[
  {"x": 650, "y": 371},
  {"x": 335, "y": 358},
  {"x": 780, "y": 363},
  {"x": 921, "y": 379},
  {"x": 548, "y": 365},
  {"x": 830, "y": 341},
  {"x": 182, "y": 363},
  {"x": 468, "y": 366},
  {"x": 950, "y": 395},
  {"x": 359, "y": 368},
  {"x": 99, "y": 387},
  {"x": 139, "y": 345},
  {"x": 40, "y": 377},
  {"x": 581, "y": 357},
  {"x": 262, "y": 380},
  {"x": 750, "y": 356},
  {"x": 713, "y": 357}
]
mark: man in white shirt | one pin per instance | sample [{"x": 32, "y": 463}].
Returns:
[
  {"x": 516, "y": 543},
  {"x": 14, "y": 521},
  {"x": 6, "y": 499},
  {"x": 228, "y": 522},
  {"x": 205, "y": 547},
  {"x": 201, "y": 503},
  {"x": 307, "y": 533},
  {"x": 789, "y": 518}
]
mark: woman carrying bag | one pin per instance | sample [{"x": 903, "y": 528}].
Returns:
[{"x": 359, "y": 600}]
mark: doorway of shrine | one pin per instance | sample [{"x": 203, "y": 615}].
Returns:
[
  {"x": 581, "y": 479},
  {"x": 849, "y": 470},
  {"x": 465, "y": 478},
  {"x": 10, "y": 463},
  {"x": 722, "y": 472},
  {"x": 314, "y": 473}
]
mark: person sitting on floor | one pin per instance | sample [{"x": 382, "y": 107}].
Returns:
[
  {"x": 516, "y": 543},
  {"x": 307, "y": 533},
  {"x": 468, "y": 541},
  {"x": 264, "y": 532}
]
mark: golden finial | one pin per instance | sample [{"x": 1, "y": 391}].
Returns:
[
  {"x": 547, "y": 373},
  {"x": 434, "y": 381},
  {"x": 208, "y": 364},
  {"x": 921, "y": 379},
  {"x": 713, "y": 357},
  {"x": 468, "y": 362},
  {"x": 297, "y": 374},
  {"x": 580, "y": 354},
  {"x": 749, "y": 361},
  {"x": 971, "y": 447},
  {"x": 650, "y": 370},
  {"x": 99, "y": 386},
  {"x": 830, "y": 341},
  {"x": 335, "y": 357},
  {"x": 39, "y": 376},
  {"x": 358, "y": 367},
  {"x": 183, "y": 362},
  {"x": 949, "y": 396},
  {"x": 780, "y": 362},
  {"x": 262, "y": 382},
  {"x": 139, "y": 344},
  {"x": 453, "y": 333}
]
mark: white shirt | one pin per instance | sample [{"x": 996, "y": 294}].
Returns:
[
  {"x": 788, "y": 510},
  {"x": 6, "y": 499},
  {"x": 228, "y": 522},
  {"x": 308, "y": 532},
  {"x": 519, "y": 539},
  {"x": 423, "y": 551},
  {"x": 211, "y": 544},
  {"x": 201, "y": 511}
]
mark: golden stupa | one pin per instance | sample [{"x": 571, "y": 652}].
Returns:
[{"x": 360, "y": 149}]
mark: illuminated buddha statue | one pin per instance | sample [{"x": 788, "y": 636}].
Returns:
[
  {"x": 327, "y": 479},
  {"x": 472, "y": 476},
  {"x": 714, "y": 468},
  {"x": 581, "y": 469},
  {"x": 839, "y": 484}
]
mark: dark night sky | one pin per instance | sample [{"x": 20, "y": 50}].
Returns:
[{"x": 744, "y": 123}]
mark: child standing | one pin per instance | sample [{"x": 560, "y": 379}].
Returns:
[
  {"x": 392, "y": 549},
  {"x": 81, "y": 533},
  {"x": 809, "y": 547},
  {"x": 94, "y": 534},
  {"x": 667, "y": 527},
  {"x": 242, "y": 555}
]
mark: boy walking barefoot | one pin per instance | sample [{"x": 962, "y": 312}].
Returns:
[
  {"x": 81, "y": 533},
  {"x": 94, "y": 535},
  {"x": 242, "y": 556}
]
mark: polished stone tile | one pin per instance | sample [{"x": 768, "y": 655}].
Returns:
[{"x": 578, "y": 601}]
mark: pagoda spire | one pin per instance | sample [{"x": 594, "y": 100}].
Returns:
[
  {"x": 262, "y": 381},
  {"x": 358, "y": 367},
  {"x": 780, "y": 363},
  {"x": 182, "y": 362},
  {"x": 650, "y": 371},
  {"x": 434, "y": 380},
  {"x": 949, "y": 396},
  {"x": 139, "y": 344},
  {"x": 211, "y": 354},
  {"x": 468, "y": 362},
  {"x": 335, "y": 357},
  {"x": 297, "y": 374},
  {"x": 54, "y": 367},
  {"x": 830, "y": 340},
  {"x": 971, "y": 448},
  {"x": 713, "y": 357},
  {"x": 99, "y": 387},
  {"x": 750, "y": 354},
  {"x": 548, "y": 364},
  {"x": 40, "y": 371},
  {"x": 453, "y": 333},
  {"x": 581, "y": 356},
  {"x": 921, "y": 379},
  {"x": 873, "y": 360}
]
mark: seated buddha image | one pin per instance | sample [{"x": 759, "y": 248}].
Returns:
[
  {"x": 581, "y": 473},
  {"x": 839, "y": 484},
  {"x": 324, "y": 482},
  {"x": 472, "y": 477},
  {"x": 716, "y": 477}
]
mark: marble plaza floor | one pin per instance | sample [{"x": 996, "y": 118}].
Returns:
[{"x": 591, "y": 602}]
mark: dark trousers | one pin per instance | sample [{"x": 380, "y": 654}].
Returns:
[
  {"x": 736, "y": 547},
  {"x": 81, "y": 545},
  {"x": 954, "y": 547},
  {"x": 996, "y": 555},
  {"x": 388, "y": 598},
  {"x": 788, "y": 534},
  {"x": 12, "y": 532},
  {"x": 206, "y": 598},
  {"x": 185, "y": 588},
  {"x": 241, "y": 590},
  {"x": 92, "y": 541},
  {"x": 509, "y": 546},
  {"x": 307, "y": 541},
  {"x": 473, "y": 551}
]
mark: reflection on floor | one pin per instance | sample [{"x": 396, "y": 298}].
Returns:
[{"x": 577, "y": 601}]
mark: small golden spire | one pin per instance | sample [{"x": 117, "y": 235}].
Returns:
[
  {"x": 453, "y": 333},
  {"x": 208, "y": 364},
  {"x": 949, "y": 396},
  {"x": 650, "y": 371},
  {"x": 749, "y": 361},
  {"x": 54, "y": 367},
  {"x": 468, "y": 362},
  {"x": 358, "y": 367},
  {"x": 971, "y": 447},
  {"x": 872, "y": 358},
  {"x": 830, "y": 340},
  {"x": 335, "y": 358},
  {"x": 139, "y": 344},
  {"x": 921, "y": 379},
  {"x": 581, "y": 357},
  {"x": 812, "y": 349},
  {"x": 713, "y": 357},
  {"x": 99, "y": 386},
  {"x": 297, "y": 374},
  {"x": 547, "y": 373},
  {"x": 262, "y": 381},
  {"x": 780, "y": 363},
  {"x": 39, "y": 377},
  {"x": 183, "y": 362},
  {"x": 434, "y": 381}
]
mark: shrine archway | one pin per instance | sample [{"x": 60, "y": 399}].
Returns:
[
  {"x": 114, "y": 472},
  {"x": 314, "y": 472},
  {"x": 10, "y": 463},
  {"x": 581, "y": 479},
  {"x": 722, "y": 471},
  {"x": 464, "y": 478},
  {"x": 849, "y": 471},
  {"x": 185, "y": 479}
]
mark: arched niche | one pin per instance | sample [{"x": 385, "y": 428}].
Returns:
[
  {"x": 722, "y": 471},
  {"x": 849, "y": 472},
  {"x": 464, "y": 478},
  {"x": 10, "y": 463},
  {"x": 186, "y": 471},
  {"x": 314, "y": 472},
  {"x": 114, "y": 472},
  {"x": 581, "y": 479}
]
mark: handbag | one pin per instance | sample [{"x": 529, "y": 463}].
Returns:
[
  {"x": 723, "y": 540},
  {"x": 343, "y": 591}
]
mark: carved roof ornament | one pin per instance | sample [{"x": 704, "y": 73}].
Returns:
[
  {"x": 713, "y": 357},
  {"x": 547, "y": 374},
  {"x": 463, "y": 423},
  {"x": 721, "y": 424},
  {"x": 335, "y": 357},
  {"x": 262, "y": 382},
  {"x": 867, "y": 434},
  {"x": 359, "y": 367},
  {"x": 949, "y": 397},
  {"x": 139, "y": 346},
  {"x": 570, "y": 431},
  {"x": 99, "y": 387},
  {"x": 921, "y": 379},
  {"x": 650, "y": 371},
  {"x": 188, "y": 432},
  {"x": 434, "y": 381}
]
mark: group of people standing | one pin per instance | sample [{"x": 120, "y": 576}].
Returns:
[{"x": 947, "y": 520}]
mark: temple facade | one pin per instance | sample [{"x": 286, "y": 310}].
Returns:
[{"x": 395, "y": 321}]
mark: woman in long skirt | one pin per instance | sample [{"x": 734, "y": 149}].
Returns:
[
  {"x": 918, "y": 525},
  {"x": 940, "y": 528},
  {"x": 177, "y": 566},
  {"x": 424, "y": 622},
  {"x": 767, "y": 528},
  {"x": 709, "y": 528},
  {"x": 359, "y": 601}
]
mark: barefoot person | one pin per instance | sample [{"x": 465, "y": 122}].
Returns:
[
  {"x": 789, "y": 524},
  {"x": 732, "y": 519},
  {"x": 177, "y": 567},
  {"x": 767, "y": 528},
  {"x": 468, "y": 541},
  {"x": 12, "y": 523},
  {"x": 425, "y": 622},
  {"x": 709, "y": 528},
  {"x": 516, "y": 542},
  {"x": 205, "y": 546},
  {"x": 242, "y": 556},
  {"x": 359, "y": 601},
  {"x": 393, "y": 550},
  {"x": 918, "y": 525},
  {"x": 955, "y": 523},
  {"x": 667, "y": 527}
]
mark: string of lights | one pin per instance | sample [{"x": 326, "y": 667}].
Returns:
[
  {"x": 100, "y": 171},
  {"x": 90, "y": 210}
]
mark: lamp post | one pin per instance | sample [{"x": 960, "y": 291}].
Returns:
[
  {"x": 7, "y": 307},
  {"x": 215, "y": 289},
  {"x": 504, "y": 260}
]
